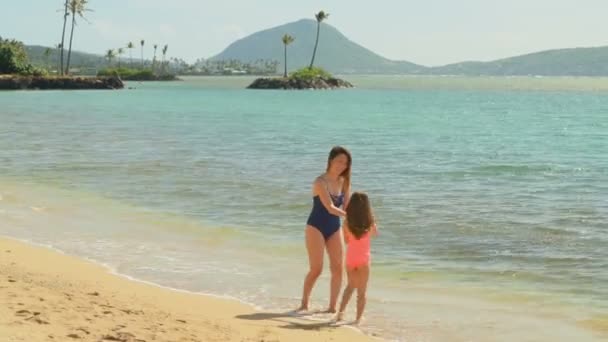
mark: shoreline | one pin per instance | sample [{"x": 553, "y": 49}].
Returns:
[
  {"x": 69, "y": 291},
  {"x": 419, "y": 312}
]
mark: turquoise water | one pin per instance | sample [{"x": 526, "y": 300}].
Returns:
[{"x": 488, "y": 197}]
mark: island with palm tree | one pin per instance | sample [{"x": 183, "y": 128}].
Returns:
[
  {"x": 310, "y": 77},
  {"x": 140, "y": 71},
  {"x": 16, "y": 72}
]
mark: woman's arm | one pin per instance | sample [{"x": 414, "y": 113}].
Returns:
[{"x": 320, "y": 189}]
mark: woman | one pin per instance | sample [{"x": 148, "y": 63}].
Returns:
[{"x": 331, "y": 193}]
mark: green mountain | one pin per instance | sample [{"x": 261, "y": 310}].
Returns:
[
  {"x": 335, "y": 53},
  {"x": 562, "y": 62},
  {"x": 78, "y": 59},
  {"x": 88, "y": 63}
]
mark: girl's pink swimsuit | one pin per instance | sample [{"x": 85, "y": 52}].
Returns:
[{"x": 358, "y": 252}]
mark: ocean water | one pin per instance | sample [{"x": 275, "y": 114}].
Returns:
[{"x": 491, "y": 194}]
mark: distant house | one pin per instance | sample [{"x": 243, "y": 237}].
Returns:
[{"x": 231, "y": 71}]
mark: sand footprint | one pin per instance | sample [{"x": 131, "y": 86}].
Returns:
[
  {"x": 23, "y": 313},
  {"x": 84, "y": 330},
  {"x": 132, "y": 312},
  {"x": 36, "y": 318},
  {"x": 118, "y": 327},
  {"x": 122, "y": 337}
]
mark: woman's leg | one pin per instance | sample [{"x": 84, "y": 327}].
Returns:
[
  {"x": 335, "y": 252},
  {"x": 314, "y": 246}
]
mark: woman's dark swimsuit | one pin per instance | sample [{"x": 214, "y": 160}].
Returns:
[{"x": 322, "y": 219}]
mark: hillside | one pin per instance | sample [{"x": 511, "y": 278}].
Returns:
[
  {"x": 562, "y": 62},
  {"x": 335, "y": 52}
]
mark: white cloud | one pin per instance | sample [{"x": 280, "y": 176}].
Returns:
[
  {"x": 117, "y": 32},
  {"x": 161, "y": 4},
  {"x": 232, "y": 32},
  {"x": 167, "y": 31},
  {"x": 113, "y": 31}
]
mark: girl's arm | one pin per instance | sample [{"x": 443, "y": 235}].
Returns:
[
  {"x": 374, "y": 229},
  {"x": 346, "y": 232}
]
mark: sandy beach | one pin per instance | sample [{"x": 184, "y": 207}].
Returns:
[{"x": 49, "y": 296}]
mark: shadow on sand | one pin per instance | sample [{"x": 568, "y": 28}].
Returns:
[{"x": 292, "y": 320}]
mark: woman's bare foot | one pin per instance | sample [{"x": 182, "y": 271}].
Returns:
[
  {"x": 330, "y": 310},
  {"x": 340, "y": 316},
  {"x": 302, "y": 308}
]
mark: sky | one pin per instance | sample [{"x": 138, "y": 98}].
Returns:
[{"x": 428, "y": 32}]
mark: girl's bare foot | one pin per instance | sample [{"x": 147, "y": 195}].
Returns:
[
  {"x": 340, "y": 316},
  {"x": 330, "y": 310}
]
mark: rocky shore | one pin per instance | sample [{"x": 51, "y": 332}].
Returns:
[
  {"x": 17, "y": 82},
  {"x": 298, "y": 83}
]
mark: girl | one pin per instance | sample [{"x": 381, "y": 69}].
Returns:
[{"x": 359, "y": 226}]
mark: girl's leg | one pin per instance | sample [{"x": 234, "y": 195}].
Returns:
[
  {"x": 363, "y": 278},
  {"x": 348, "y": 292}
]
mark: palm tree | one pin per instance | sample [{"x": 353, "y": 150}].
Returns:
[
  {"x": 110, "y": 55},
  {"x": 287, "y": 39},
  {"x": 154, "y": 59},
  {"x": 275, "y": 64},
  {"x": 142, "y": 43},
  {"x": 77, "y": 7},
  {"x": 65, "y": 20},
  {"x": 320, "y": 17},
  {"x": 165, "y": 48},
  {"x": 121, "y": 51},
  {"x": 59, "y": 61},
  {"x": 47, "y": 54},
  {"x": 172, "y": 64},
  {"x": 130, "y": 46}
]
